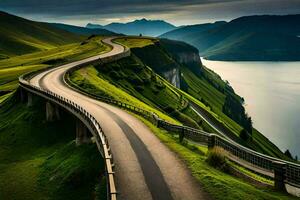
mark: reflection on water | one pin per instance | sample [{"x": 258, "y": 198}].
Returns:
[{"x": 272, "y": 97}]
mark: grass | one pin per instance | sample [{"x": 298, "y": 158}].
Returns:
[
  {"x": 135, "y": 42},
  {"x": 39, "y": 159},
  {"x": 98, "y": 80},
  {"x": 131, "y": 77},
  {"x": 20, "y": 36},
  {"x": 251, "y": 174},
  {"x": 12, "y": 68},
  {"x": 203, "y": 87},
  {"x": 220, "y": 185},
  {"x": 140, "y": 81},
  {"x": 89, "y": 80}
]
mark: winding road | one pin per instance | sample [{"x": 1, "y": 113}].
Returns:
[{"x": 144, "y": 167}]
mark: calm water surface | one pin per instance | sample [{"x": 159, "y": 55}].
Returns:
[{"x": 272, "y": 97}]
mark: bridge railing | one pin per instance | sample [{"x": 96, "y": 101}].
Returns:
[
  {"x": 91, "y": 123},
  {"x": 263, "y": 164},
  {"x": 80, "y": 112},
  {"x": 260, "y": 163}
]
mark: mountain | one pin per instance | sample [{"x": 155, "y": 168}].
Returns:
[
  {"x": 143, "y": 26},
  {"x": 94, "y": 26},
  {"x": 265, "y": 38},
  {"x": 19, "y": 36},
  {"x": 83, "y": 30}
]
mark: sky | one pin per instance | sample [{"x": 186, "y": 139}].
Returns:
[{"x": 177, "y": 12}]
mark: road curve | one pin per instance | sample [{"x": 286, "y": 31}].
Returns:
[{"x": 144, "y": 167}]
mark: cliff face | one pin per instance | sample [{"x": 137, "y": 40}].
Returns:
[
  {"x": 183, "y": 54},
  {"x": 188, "y": 58},
  {"x": 168, "y": 57},
  {"x": 173, "y": 76}
]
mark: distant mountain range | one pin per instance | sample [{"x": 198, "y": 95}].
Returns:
[
  {"x": 143, "y": 26},
  {"x": 19, "y": 36},
  {"x": 265, "y": 37},
  {"x": 251, "y": 38}
]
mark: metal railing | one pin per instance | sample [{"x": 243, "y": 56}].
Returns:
[
  {"x": 90, "y": 122},
  {"x": 255, "y": 161}
]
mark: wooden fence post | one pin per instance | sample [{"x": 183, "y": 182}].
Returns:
[
  {"x": 211, "y": 141},
  {"x": 279, "y": 175},
  {"x": 181, "y": 135}
]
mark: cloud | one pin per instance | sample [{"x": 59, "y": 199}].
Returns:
[
  {"x": 82, "y": 7},
  {"x": 176, "y": 11}
]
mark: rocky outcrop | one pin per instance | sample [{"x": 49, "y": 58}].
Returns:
[
  {"x": 188, "y": 58},
  {"x": 173, "y": 76}
]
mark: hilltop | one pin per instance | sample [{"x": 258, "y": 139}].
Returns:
[
  {"x": 263, "y": 37},
  {"x": 20, "y": 36},
  {"x": 143, "y": 26},
  {"x": 83, "y": 30}
]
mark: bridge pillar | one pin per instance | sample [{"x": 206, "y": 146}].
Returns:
[
  {"x": 52, "y": 112},
  {"x": 82, "y": 133},
  {"x": 22, "y": 95},
  {"x": 279, "y": 175},
  {"x": 29, "y": 99},
  {"x": 211, "y": 141},
  {"x": 181, "y": 135}
]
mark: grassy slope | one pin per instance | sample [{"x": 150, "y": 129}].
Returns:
[
  {"x": 12, "y": 68},
  {"x": 135, "y": 42},
  {"x": 19, "y": 36},
  {"x": 217, "y": 183},
  {"x": 82, "y": 30},
  {"x": 39, "y": 159},
  {"x": 220, "y": 185},
  {"x": 89, "y": 80},
  {"x": 202, "y": 86},
  {"x": 47, "y": 165}
]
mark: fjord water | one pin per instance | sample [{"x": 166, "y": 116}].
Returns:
[{"x": 272, "y": 97}]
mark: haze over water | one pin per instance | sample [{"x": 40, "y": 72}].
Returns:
[{"x": 272, "y": 97}]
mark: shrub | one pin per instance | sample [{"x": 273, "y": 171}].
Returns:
[
  {"x": 139, "y": 88},
  {"x": 115, "y": 75},
  {"x": 146, "y": 81},
  {"x": 244, "y": 135},
  {"x": 159, "y": 85},
  {"x": 169, "y": 109},
  {"x": 216, "y": 158},
  {"x": 185, "y": 119},
  {"x": 134, "y": 79}
]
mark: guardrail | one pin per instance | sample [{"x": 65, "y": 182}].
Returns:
[
  {"x": 92, "y": 125},
  {"x": 257, "y": 162},
  {"x": 83, "y": 115},
  {"x": 260, "y": 163}
]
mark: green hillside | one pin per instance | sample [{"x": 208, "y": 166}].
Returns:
[
  {"x": 19, "y": 36},
  {"x": 82, "y": 30},
  {"x": 265, "y": 38},
  {"x": 12, "y": 68},
  {"x": 40, "y": 160},
  {"x": 138, "y": 80},
  {"x": 132, "y": 81}
]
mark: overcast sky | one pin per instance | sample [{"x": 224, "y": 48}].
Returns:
[{"x": 178, "y": 12}]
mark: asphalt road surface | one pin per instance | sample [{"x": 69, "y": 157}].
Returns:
[{"x": 144, "y": 167}]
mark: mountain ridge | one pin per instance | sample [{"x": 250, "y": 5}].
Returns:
[
  {"x": 248, "y": 38},
  {"x": 136, "y": 27},
  {"x": 82, "y": 30},
  {"x": 19, "y": 36}
]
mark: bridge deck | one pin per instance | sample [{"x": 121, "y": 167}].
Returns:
[{"x": 145, "y": 168}]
